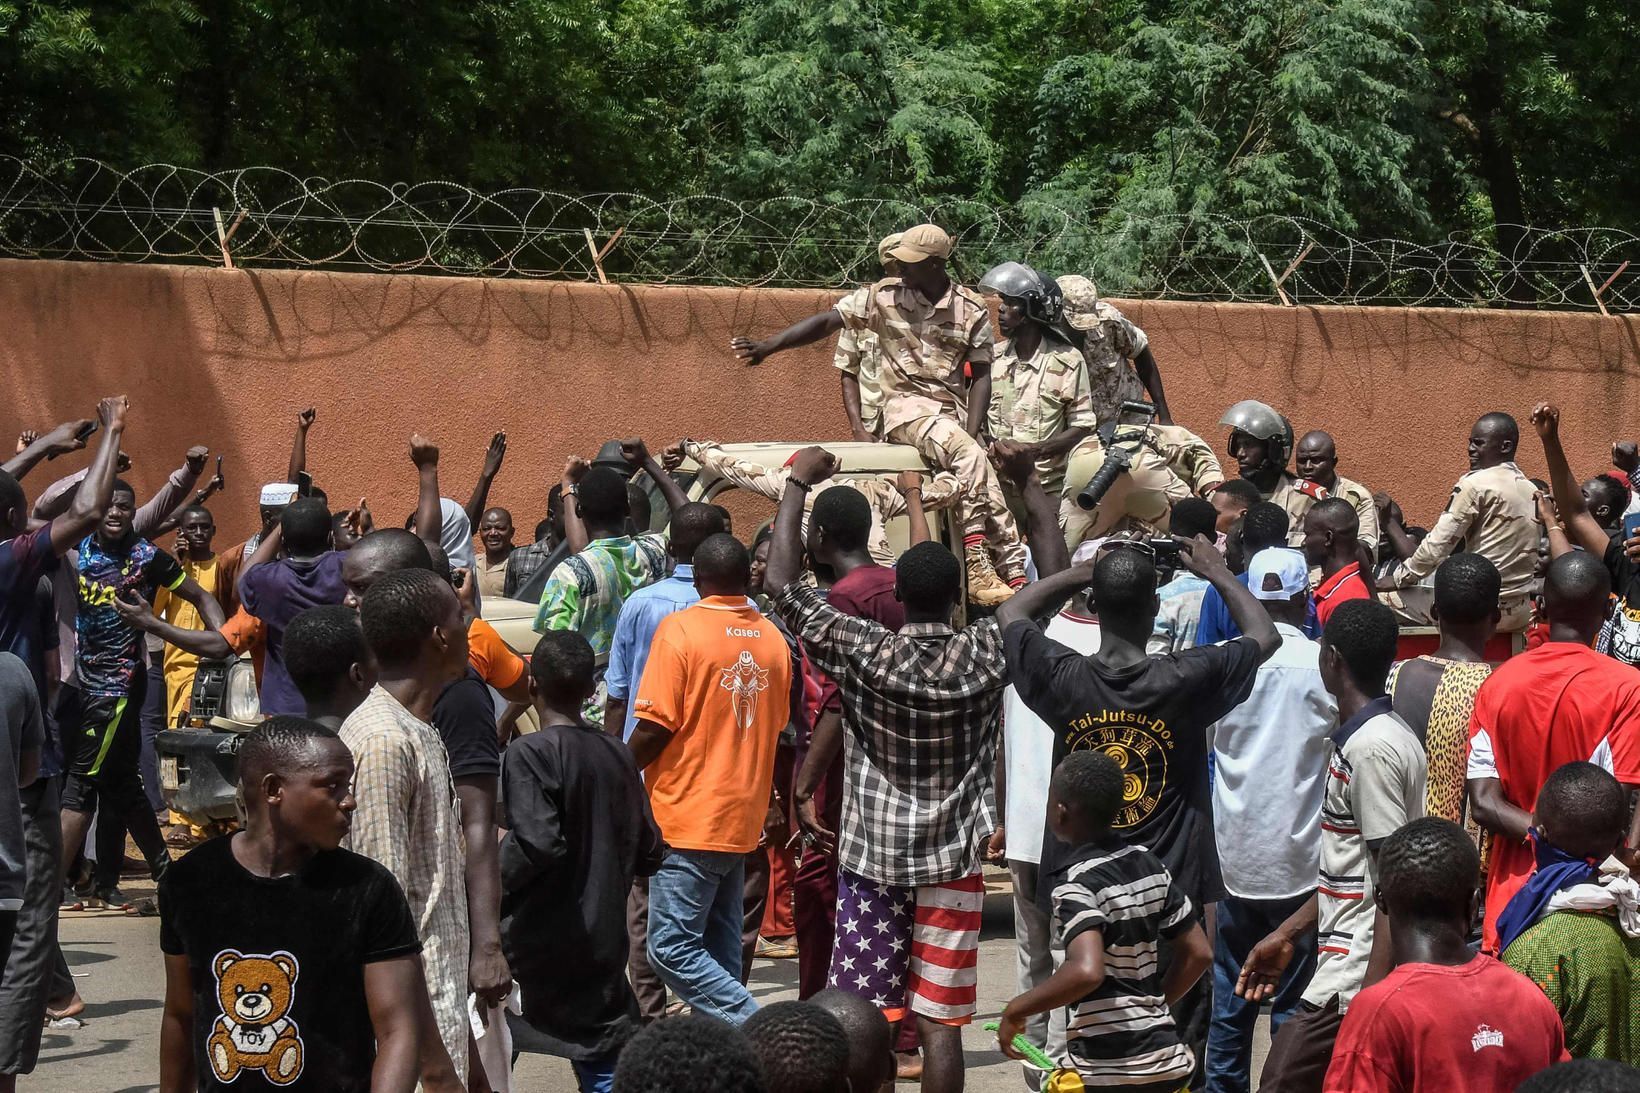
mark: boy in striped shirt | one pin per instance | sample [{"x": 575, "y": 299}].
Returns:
[{"x": 1117, "y": 913}]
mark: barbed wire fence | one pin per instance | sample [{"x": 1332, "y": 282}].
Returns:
[{"x": 264, "y": 217}]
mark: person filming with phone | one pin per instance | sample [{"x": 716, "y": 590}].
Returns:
[{"x": 1150, "y": 713}]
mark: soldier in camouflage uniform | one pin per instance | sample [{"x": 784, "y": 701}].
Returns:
[
  {"x": 1121, "y": 367},
  {"x": 857, "y": 357},
  {"x": 887, "y": 503},
  {"x": 935, "y": 375}
]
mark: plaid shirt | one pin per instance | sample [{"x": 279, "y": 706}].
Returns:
[
  {"x": 921, "y": 708},
  {"x": 408, "y": 820}
]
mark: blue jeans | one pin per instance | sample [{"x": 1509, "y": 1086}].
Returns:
[
  {"x": 695, "y": 916},
  {"x": 1242, "y": 924},
  {"x": 595, "y": 1075}
]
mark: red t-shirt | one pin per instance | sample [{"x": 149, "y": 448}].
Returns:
[
  {"x": 866, "y": 593},
  {"x": 1432, "y": 1028},
  {"x": 1559, "y": 703},
  {"x": 1341, "y": 587}
]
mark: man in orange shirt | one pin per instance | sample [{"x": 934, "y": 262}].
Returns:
[{"x": 713, "y": 699}]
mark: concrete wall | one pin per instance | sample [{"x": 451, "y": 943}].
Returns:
[{"x": 228, "y": 357}]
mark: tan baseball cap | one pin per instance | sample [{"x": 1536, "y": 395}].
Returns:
[
  {"x": 1081, "y": 301},
  {"x": 923, "y": 241},
  {"x": 885, "y": 249}
]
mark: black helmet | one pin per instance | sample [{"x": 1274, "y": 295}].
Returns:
[{"x": 1042, "y": 297}]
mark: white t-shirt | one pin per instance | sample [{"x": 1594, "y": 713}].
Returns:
[
  {"x": 1375, "y": 783},
  {"x": 1028, "y": 748},
  {"x": 1270, "y": 771}
]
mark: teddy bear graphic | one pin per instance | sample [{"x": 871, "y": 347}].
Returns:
[{"x": 254, "y": 1031}]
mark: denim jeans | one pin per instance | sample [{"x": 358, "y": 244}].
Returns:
[
  {"x": 696, "y": 905},
  {"x": 1242, "y": 924},
  {"x": 595, "y": 1075}
]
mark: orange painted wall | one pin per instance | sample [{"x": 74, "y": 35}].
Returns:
[{"x": 227, "y": 357}]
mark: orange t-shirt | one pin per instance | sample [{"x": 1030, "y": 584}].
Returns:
[
  {"x": 719, "y": 679},
  {"x": 492, "y": 658}
]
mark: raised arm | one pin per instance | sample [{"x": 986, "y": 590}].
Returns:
[
  {"x": 811, "y": 467},
  {"x": 1581, "y": 528},
  {"x": 163, "y": 523},
  {"x": 805, "y": 332},
  {"x": 1017, "y": 463},
  {"x": 63, "y": 439},
  {"x": 1200, "y": 558},
  {"x": 910, "y": 486},
  {"x": 298, "y": 446},
  {"x": 575, "y": 531},
  {"x": 637, "y": 456},
  {"x": 91, "y": 499},
  {"x": 429, "y": 515},
  {"x": 1393, "y": 526},
  {"x": 480, "y": 497},
  {"x": 1144, "y": 363}
]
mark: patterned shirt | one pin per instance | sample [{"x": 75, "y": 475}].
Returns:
[
  {"x": 921, "y": 710},
  {"x": 1123, "y": 1033},
  {"x": 408, "y": 820},
  {"x": 858, "y": 354},
  {"x": 1109, "y": 347},
  {"x": 586, "y": 591},
  {"x": 109, "y": 650},
  {"x": 923, "y": 348},
  {"x": 1031, "y": 400},
  {"x": 1590, "y": 969}
]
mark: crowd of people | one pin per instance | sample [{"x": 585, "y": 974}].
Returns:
[{"x": 1242, "y": 745}]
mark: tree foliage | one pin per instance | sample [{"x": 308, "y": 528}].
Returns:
[{"x": 1382, "y": 118}]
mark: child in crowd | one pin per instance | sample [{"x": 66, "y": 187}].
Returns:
[
  {"x": 802, "y": 1048},
  {"x": 1574, "y": 929},
  {"x": 288, "y": 961},
  {"x": 1445, "y": 1018},
  {"x": 578, "y": 831},
  {"x": 692, "y": 1054},
  {"x": 1114, "y": 906}
]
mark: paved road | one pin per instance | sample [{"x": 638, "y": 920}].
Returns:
[{"x": 116, "y": 961}]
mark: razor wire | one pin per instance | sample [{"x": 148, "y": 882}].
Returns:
[{"x": 265, "y": 217}]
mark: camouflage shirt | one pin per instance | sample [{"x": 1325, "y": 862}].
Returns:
[
  {"x": 1109, "y": 348},
  {"x": 1033, "y": 399},
  {"x": 858, "y": 355},
  {"x": 923, "y": 346}
]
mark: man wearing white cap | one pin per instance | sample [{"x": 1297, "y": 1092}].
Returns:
[{"x": 1270, "y": 759}]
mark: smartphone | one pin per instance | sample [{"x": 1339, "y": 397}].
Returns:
[
  {"x": 304, "y": 484},
  {"x": 82, "y": 434},
  {"x": 1631, "y": 526}
]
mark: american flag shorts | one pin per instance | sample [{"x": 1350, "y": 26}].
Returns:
[{"x": 909, "y": 949}]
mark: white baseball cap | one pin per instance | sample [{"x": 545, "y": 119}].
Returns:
[{"x": 1278, "y": 573}]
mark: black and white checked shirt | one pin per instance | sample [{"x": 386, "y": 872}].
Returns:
[{"x": 921, "y": 710}]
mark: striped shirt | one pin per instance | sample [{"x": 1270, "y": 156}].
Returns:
[
  {"x": 1375, "y": 783},
  {"x": 1123, "y": 1034},
  {"x": 408, "y": 820}
]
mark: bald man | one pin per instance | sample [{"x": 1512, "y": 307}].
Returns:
[
  {"x": 1317, "y": 459},
  {"x": 1491, "y": 513},
  {"x": 1331, "y": 543}
]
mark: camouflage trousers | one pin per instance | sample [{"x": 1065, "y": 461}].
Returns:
[{"x": 985, "y": 513}]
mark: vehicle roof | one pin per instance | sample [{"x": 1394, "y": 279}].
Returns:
[{"x": 856, "y": 457}]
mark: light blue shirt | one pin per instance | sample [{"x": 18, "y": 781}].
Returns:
[{"x": 640, "y": 617}]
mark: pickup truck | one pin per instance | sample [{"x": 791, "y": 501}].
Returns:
[{"x": 198, "y": 761}]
